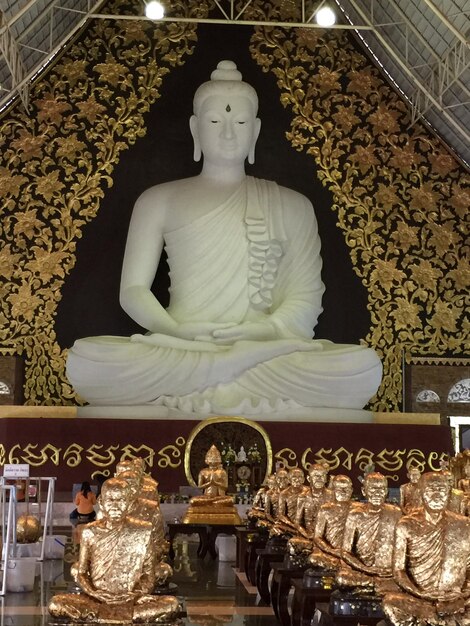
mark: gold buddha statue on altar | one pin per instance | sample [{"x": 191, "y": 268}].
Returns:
[{"x": 213, "y": 506}]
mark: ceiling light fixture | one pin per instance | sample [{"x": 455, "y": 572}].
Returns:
[
  {"x": 325, "y": 17},
  {"x": 154, "y": 10}
]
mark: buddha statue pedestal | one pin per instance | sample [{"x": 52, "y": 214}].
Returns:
[
  {"x": 344, "y": 604},
  {"x": 212, "y": 515}
]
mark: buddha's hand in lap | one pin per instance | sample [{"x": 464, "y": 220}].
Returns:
[
  {"x": 114, "y": 598},
  {"x": 450, "y": 607},
  {"x": 200, "y": 331},
  {"x": 247, "y": 331}
]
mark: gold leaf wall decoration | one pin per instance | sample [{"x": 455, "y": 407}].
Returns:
[
  {"x": 56, "y": 164},
  {"x": 401, "y": 199}
]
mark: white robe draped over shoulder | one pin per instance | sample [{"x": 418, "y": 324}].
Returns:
[{"x": 250, "y": 259}]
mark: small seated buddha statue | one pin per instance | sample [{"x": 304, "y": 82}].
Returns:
[
  {"x": 456, "y": 502},
  {"x": 368, "y": 539},
  {"x": 214, "y": 506},
  {"x": 261, "y": 497},
  {"x": 116, "y": 569},
  {"x": 410, "y": 493},
  {"x": 148, "y": 510},
  {"x": 329, "y": 527},
  {"x": 464, "y": 486},
  {"x": 289, "y": 500},
  {"x": 267, "y": 515},
  {"x": 431, "y": 562},
  {"x": 307, "y": 509}
]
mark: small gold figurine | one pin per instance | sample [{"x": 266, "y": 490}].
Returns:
[
  {"x": 149, "y": 511},
  {"x": 329, "y": 528},
  {"x": 431, "y": 562},
  {"x": 464, "y": 486},
  {"x": 261, "y": 497},
  {"x": 260, "y": 508},
  {"x": 368, "y": 538},
  {"x": 116, "y": 569},
  {"x": 290, "y": 497},
  {"x": 308, "y": 506},
  {"x": 213, "y": 507},
  {"x": 267, "y": 516},
  {"x": 272, "y": 497},
  {"x": 314, "y": 497},
  {"x": 410, "y": 493}
]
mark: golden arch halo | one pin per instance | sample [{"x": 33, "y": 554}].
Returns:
[{"x": 229, "y": 420}]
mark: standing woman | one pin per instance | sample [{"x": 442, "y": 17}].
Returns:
[{"x": 85, "y": 501}]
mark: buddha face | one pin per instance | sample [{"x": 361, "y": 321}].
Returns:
[
  {"x": 414, "y": 475},
  {"x": 317, "y": 477},
  {"x": 435, "y": 491},
  {"x": 375, "y": 490},
  {"x": 271, "y": 482},
  {"x": 115, "y": 502},
  {"x": 342, "y": 490},
  {"x": 282, "y": 479},
  {"x": 225, "y": 128},
  {"x": 297, "y": 477}
]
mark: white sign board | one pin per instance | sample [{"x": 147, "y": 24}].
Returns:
[{"x": 16, "y": 470}]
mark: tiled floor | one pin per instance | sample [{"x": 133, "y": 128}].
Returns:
[{"x": 214, "y": 594}]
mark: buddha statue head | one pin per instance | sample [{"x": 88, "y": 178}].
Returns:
[
  {"x": 213, "y": 458},
  {"x": 342, "y": 488},
  {"x": 317, "y": 476},
  {"x": 115, "y": 499},
  {"x": 296, "y": 477},
  {"x": 282, "y": 478},
  {"x": 375, "y": 489},
  {"x": 435, "y": 490},
  {"x": 271, "y": 482},
  {"x": 224, "y": 125},
  {"x": 414, "y": 475}
]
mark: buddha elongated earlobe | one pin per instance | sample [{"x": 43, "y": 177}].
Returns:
[
  {"x": 251, "y": 153},
  {"x": 197, "y": 154}
]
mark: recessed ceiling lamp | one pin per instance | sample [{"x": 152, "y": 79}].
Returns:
[
  {"x": 154, "y": 10},
  {"x": 325, "y": 17}
]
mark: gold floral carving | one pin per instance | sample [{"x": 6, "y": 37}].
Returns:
[
  {"x": 56, "y": 164},
  {"x": 400, "y": 198}
]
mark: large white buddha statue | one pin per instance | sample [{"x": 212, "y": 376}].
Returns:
[{"x": 245, "y": 295}]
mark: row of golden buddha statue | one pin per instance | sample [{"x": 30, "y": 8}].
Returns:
[
  {"x": 122, "y": 560},
  {"x": 414, "y": 557}
]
